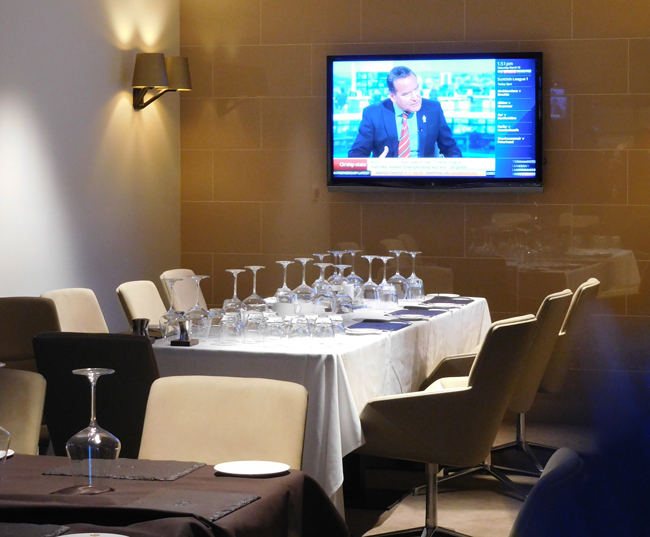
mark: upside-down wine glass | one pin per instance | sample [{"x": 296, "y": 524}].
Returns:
[
  {"x": 199, "y": 317},
  {"x": 387, "y": 292},
  {"x": 416, "y": 285},
  {"x": 324, "y": 299},
  {"x": 353, "y": 277},
  {"x": 285, "y": 297},
  {"x": 320, "y": 260},
  {"x": 335, "y": 279},
  {"x": 345, "y": 295},
  {"x": 255, "y": 302},
  {"x": 168, "y": 323},
  {"x": 399, "y": 281},
  {"x": 93, "y": 450},
  {"x": 234, "y": 305},
  {"x": 369, "y": 288},
  {"x": 304, "y": 293}
]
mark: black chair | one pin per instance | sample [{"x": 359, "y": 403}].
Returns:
[{"x": 121, "y": 397}]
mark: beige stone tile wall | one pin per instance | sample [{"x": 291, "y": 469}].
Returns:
[{"x": 253, "y": 162}]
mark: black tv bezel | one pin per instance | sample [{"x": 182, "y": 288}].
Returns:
[{"x": 528, "y": 185}]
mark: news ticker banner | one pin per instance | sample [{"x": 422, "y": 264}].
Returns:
[{"x": 424, "y": 167}]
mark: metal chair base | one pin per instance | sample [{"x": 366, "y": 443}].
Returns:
[{"x": 490, "y": 470}]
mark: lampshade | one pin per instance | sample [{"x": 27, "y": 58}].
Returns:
[
  {"x": 178, "y": 73},
  {"x": 150, "y": 71}
]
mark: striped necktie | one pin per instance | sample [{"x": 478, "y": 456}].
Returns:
[{"x": 404, "y": 148}]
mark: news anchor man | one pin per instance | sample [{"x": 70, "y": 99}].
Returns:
[{"x": 405, "y": 125}]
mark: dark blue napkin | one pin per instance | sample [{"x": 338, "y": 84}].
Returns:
[
  {"x": 426, "y": 313},
  {"x": 459, "y": 301},
  {"x": 383, "y": 326}
]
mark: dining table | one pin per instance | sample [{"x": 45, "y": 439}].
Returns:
[
  {"x": 341, "y": 377},
  {"x": 162, "y": 499}
]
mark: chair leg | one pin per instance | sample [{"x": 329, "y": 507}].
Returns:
[
  {"x": 527, "y": 448},
  {"x": 489, "y": 469},
  {"x": 431, "y": 515}
]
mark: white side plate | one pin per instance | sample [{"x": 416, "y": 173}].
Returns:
[
  {"x": 252, "y": 468},
  {"x": 10, "y": 453}
]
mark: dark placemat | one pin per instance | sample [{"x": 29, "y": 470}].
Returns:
[
  {"x": 459, "y": 301},
  {"x": 418, "y": 311},
  {"x": 14, "y": 529},
  {"x": 141, "y": 470},
  {"x": 211, "y": 505},
  {"x": 383, "y": 326}
]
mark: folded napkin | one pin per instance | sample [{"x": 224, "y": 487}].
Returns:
[
  {"x": 141, "y": 470},
  {"x": 379, "y": 326},
  {"x": 458, "y": 301},
  {"x": 13, "y": 529},
  {"x": 414, "y": 310},
  {"x": 211, "y": 505}
]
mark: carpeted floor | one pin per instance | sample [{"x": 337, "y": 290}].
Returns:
[{"x": 475, "y": 505}]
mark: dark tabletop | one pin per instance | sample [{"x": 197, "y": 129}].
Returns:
[{"x": 288, "y": 505}]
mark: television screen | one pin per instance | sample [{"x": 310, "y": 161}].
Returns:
[{"x": 435, "y": 121}]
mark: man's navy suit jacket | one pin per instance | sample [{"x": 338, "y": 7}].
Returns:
[{"x": 378, "y": 129}]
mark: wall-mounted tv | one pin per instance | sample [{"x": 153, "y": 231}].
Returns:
[{"x": 435, "y": 122}]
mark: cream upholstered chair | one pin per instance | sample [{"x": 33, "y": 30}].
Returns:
[
  {"x": 220, "y": 419},
  {"x": 550, "y": 317},
  {"x": 452, "y": 426},
  {"x": 21, "y": 318},
  {"x": 184, "y": 291},
  {"x": 22, "y": 397},
  {"x": 141, "y": 300},
  {"x": 78, "y": 310}
]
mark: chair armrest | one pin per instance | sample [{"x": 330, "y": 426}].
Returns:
[{"x": 457, "y": 365}]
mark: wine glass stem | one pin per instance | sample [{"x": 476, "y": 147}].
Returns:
[
  {"x": 284, "y": 281},
  {"x": 93, "y": 417},
  {"x": 234, "y": 290},
  {"x": 304, "y": 266},
  {"x": 255, "y": 282},
  {"x": 198, "y": 291},
  {"x": 384, "y": 271},
  {"x": 171, "y": 296}
]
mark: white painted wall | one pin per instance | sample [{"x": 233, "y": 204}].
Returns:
[{"x": 89, "y": 188}]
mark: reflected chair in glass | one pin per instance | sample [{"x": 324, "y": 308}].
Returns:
[
  {"x": 221, "y": 419},
  {"x": 453, "y": 427},
  {"x": 184, "y": 291},
  {"x": 78, "y": 310},
  {"x": 121, "y": 402},
  {"x": 22, "y": 397}
]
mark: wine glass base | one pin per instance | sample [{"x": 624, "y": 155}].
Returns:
[
  {"x": 84, "y": 490},
  {"x": 183, "y": 343}
]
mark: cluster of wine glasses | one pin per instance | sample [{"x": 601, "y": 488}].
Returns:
[{"x": 251, "y": 320}]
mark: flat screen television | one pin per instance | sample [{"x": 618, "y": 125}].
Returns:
[{"x": 473, "y": 122}]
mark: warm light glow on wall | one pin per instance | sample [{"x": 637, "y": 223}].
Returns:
[
  {"x": 35, "y": 225},
  {"x": 139, "y": 23}
]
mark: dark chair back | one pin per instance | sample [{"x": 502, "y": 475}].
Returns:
[
  {"x": 21, "y": 318},
  {"x": 121, "y": 397}
]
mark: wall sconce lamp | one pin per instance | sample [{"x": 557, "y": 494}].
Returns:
[{"x": 156, "y": 72}]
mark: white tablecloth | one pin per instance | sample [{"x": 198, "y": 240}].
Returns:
[{"x": 339, "y": 380}]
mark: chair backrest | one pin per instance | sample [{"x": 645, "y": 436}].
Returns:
[
  {"x": 455, "y": 426},
  {"x": 553, "y": 506},
  {"x": 550, "y": 317},
  {"x": 21, "y": 318},
  {"x": 78, "y": 310},
  {"x": 141, "y": 300},
  {"x": 570, "y": 336},
  {"x": 121, "y": 397},
  {"x": 220, "y": 419},
  {"x": 184, "y": 291},
  {"x": 22, "y": 396}
]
